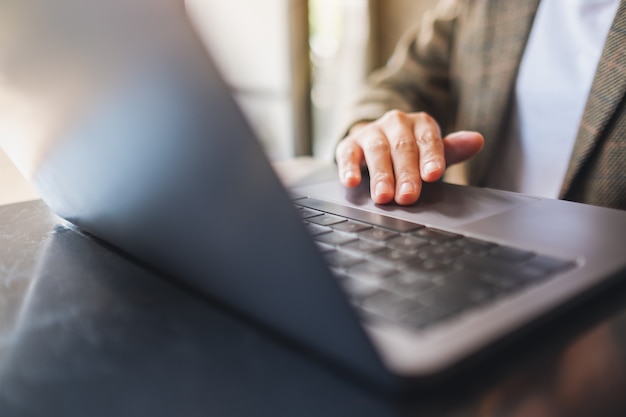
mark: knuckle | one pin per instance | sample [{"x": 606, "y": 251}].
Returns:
[
  {"x": 427, "y": 138},
  {"x": 422, "y": 116},
  {"x": 394, "y": 116},
  {"x": 376, "y": 145},
  {"x": 405, "y": 144},
  {"x": 426, "y": 122}
]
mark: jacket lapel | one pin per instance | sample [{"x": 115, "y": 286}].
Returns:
[{"x": 607, "y": 92}]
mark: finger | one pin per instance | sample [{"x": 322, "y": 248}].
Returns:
[
  {"x": 432, "y": 160},
  {"x": 462, "y": 145},
  {"x": 405, "y": 158},
  {"x": 349, "y": 156},
  {"x": 377, "y": 154}
]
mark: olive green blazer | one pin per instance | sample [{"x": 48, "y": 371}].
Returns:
[{"x": 460, "y": 64}]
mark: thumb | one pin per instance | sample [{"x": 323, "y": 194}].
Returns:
[{"x": 462, "y": 145}]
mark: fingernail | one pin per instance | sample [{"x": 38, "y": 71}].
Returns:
[
  {"x": 407, "y": 188},
  {"x": 350, "y": 175},
  {"x": 383, "y": 188},
  {"x": 431, "y": 167}
]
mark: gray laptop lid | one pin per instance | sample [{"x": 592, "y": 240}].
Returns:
[{"x": 122, "y": 123}]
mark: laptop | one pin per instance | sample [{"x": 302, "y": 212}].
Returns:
[{"x": 117, "y": 114}]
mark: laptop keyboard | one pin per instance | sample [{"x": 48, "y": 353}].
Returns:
[{"x": 414, "y": 275}]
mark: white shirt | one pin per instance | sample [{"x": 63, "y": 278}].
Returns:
[{"x": 553, "y": 83}]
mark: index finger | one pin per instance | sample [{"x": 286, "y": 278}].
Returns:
[{"x": 349, "y": 156}]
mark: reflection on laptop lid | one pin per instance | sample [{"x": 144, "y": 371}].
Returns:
[{"x": 118, "y": 116}]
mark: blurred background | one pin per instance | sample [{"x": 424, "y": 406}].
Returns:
[{"x": 294, "y": 66}]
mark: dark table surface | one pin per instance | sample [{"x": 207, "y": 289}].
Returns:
[{"x": 86, "y": 332}]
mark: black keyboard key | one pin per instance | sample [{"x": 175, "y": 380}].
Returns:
[
  {"x": 316, "y": 229},
  {"x": 350, "y": 227},
  {"x": 358, "y": 289},
  {"x": 443, "y": 254},
  {"x": 389, "y": 306},
  {"x": 508, "y": 254},
  {"x": 484, "y": 264},
  {"x": 430, "y": 266},
  {"x": 472, "y": 246},
  {"x": 408, "y": 277},
  {"x": 326, "y": 219},
  {"x": 407, "y": 243},
  {"x": 436, "y": 235},
  {"x": 394, "y": 257},
  {"x": 470, "y": 284},
  {"x": 444, "y": 296},
  {"x": 514, "y": 280},
  {"x": 406, "y": 284},
  {"x": 334, "y": 238},
  {"x": 371, "y": 271},
  {"x": 341, "y": 259},
  {"x": 377, "y": 234},
  {"x": 438, "y": 303},
  {"x": 364, "y": 247},
  {"x": 305, "y": 213}
]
